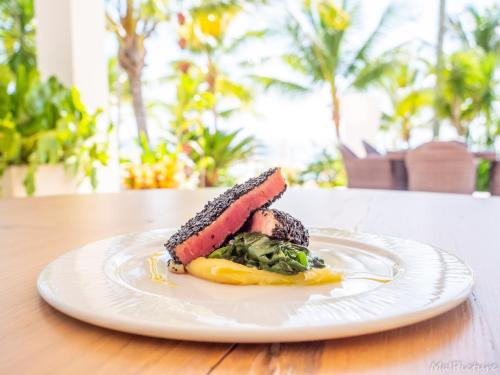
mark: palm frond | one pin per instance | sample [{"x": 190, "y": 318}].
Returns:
[
  {"x": 371, "y": 73},
  {"x": 363, "y": 52},
  {"x": 457, "y": 26},
  {"x": 246, "y": 37},
  {"x": 279, "y": 85}
]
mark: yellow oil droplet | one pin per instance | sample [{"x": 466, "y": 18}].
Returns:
[{"x": 155, "y": 271}]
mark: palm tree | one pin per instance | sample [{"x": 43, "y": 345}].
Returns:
[
  {"x": 205, "y": 33},
  {"x": 207, "y": 94},
  {"x": 474, "y": 70},
  {"x": 468, "y": 88},
  {"x": 439, "y": 60},
  {"x": 483, "y": 30},
  {"x": 323, "y": 51},
  {"x": 133, "y": 22},
  {"x": 405, "y": 84}
]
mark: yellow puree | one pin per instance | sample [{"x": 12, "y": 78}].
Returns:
[{"x": 226, "y": 272}]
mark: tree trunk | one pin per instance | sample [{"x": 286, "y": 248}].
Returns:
[
  {"x": 119, "y": 93},
  {"x": 439, "y": 62},
  {"x": 336, "y": 114},
  {"x": 406, "y": 132},
  {"x": 131, "y": 56},
  {"x": 456, "y": 118},
  {"x": 211, "y": 178},
  {"x": 212, "y": 83},
  {"x": 138, "y": 103}
]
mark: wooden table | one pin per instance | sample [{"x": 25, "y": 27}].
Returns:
[{"x": 37, "y": 339}]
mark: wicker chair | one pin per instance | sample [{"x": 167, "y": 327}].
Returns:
[
  {"x": 374, "y": 172},
  {"x": 369, "y": 149},
  {"x": 441, "y": 167}
]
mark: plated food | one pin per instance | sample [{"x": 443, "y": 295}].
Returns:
[
  {"x": 237, "y": 239},
  {"x": 387, "y": 283}
]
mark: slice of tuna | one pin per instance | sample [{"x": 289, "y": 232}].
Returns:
[
  {"x": 224, "y": 216},
  {"x": 279, "y": 225}
]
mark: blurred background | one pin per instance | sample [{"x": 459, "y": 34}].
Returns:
[{"x": 140, "y": 94}]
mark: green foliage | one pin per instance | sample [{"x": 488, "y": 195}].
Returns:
[
  {"x": 46, "y": 123},
  {"x": 483, "y": 175},
  {"x": 157, "y": 154},
  {"x": 205, "y": 34},
  {"x": 325, "y": 171},
  {"x": 259, "y": 251},
  {"x": 467, "y": 88},
  {"x": 477, "y": 29},
  {"x": 214, "y": 151},
  {"x": 206, "y": 95},
  {"x": 404, "y": 82},
  {"x": 205, "y": 27},
  {"x": 470, "y": 91},
  {"x": 17, "y": 34}
]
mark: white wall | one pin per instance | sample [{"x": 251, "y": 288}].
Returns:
[
  {"x": 70, "y": 45},
  {"x": 70, "y": 41}
]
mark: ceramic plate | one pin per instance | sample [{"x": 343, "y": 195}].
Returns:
[{"x": 388, "y": 283}]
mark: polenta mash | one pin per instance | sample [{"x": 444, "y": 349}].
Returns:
[{"x": 228, "y": 272}]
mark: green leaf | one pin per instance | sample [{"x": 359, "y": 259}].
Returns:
[
  {"x": 44, "y": 122},
  {"x": 260, "y": 251},
  {"x": 48, "y": 149},
  {"x": 302, "y": 257},
  {"x": 29, "y": 179}
]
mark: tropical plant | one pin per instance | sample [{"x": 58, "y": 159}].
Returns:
[
  {"x": 207, "y": 95},
  {"x": 324, "y": 51},
  {"x": 483, "y": 175},
  {"x": 468, "y": 89},
  {"x": 159, "y": 168},
  {"x": 17, "y": 34},
  {"x": 404, "y": 82},
  {"x": 479, "y": 31},
  {"x": 133, "y": 22},
  {"x": 215, "y": 151},
  {"x": 205, "y": 32},
  {"x": 46, "y": 123},
  {"x": 325, "y": 171},
  {"x": 192, "y": 102}
]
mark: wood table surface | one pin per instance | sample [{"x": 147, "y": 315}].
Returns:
[{"x": 37, "y": 339}]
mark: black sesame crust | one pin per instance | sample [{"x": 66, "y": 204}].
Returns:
[
  {"x": 214, "y": 208},
  {"x": 289, "y": 228}
]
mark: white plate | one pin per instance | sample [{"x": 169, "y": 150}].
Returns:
[{"x": 108, "y": 283}]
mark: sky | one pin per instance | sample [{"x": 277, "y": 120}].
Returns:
[{"x": 292, "y": 130}]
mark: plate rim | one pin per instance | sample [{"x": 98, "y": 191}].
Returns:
[{"x": 261, "y": 334}]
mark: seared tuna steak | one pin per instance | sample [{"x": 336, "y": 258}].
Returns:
[
  {"x": 279, "y": 225},
  {"x": 224, "y": 216}
]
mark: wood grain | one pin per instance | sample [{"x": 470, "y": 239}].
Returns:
[{"x": 36, "y": 339}]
